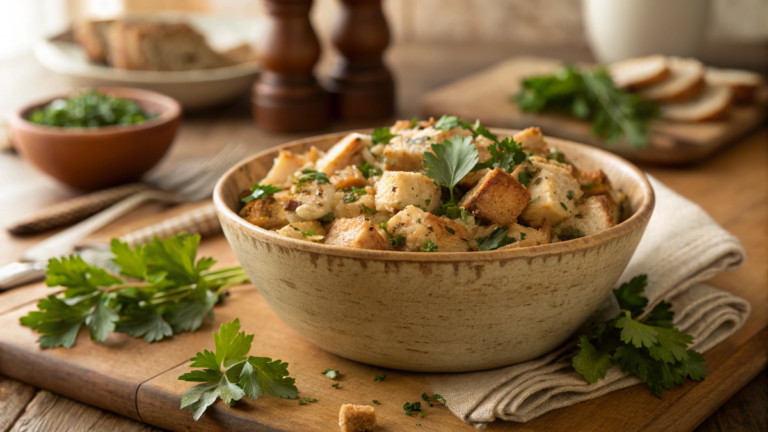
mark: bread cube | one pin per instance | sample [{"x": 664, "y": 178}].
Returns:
[
  {"x": 398, "y": 189},
  {"x": 348, "y": 177},
  {"x": 285, "y": 165},
  {"x": 340, "y": 155},
  {"x": 497, "y": 198},
  {"x": 406, "y": 154},
  {"x": 554, "y": 194},
  {"x": 593, "y": 215},
  {"x": 532, "y": 141},
  {"x": 309, "y": 231},
  {"x": 310, "y": 201},
  {"x": 524, "y": 236},
  {"x": 268, "y": 213},
  {"x": 358, "y": 233},
  {"x": 357, "y": 418},
  {"x": 349, "y": 204},
  {"x": 418, "y": 226}
]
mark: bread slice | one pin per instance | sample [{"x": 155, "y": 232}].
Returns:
[
  {"x": 92, "y": 36},
  {"x": 744, "y": 84},
  {"x": 160, "y": 46},
  {"x": 637, "y": 73},
  {"x": 685, "y": 81},
  {"x": 712, "y": 103}
]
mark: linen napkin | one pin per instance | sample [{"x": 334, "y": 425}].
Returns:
[{"x": 682, "y": 247}]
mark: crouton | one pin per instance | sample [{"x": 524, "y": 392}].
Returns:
[
  {"x": 310, "y": 201},
  {"x": 358, "y": 233},
  {"x": 523, "y": 236},
  {"x": 554, "y": 194},
  {"x": 309, "y": 231},
  {"x": 340, "y": 155},
  {"x": 406, "y": 154},
  {"x": 532, "y": 141},
  {"x": 349, "y": 204},
  {"x": 285, "y": 165},
  {"x": 398, "y": 189},
  {"x": 592, "y": 216},
  {"x": 348, "y": 177},
  {"x": 267, "y": 213},
  {"x": 497, "y": 198},
  {"x": 357, "y": 418},
  {"x": 418, "y": 227},
  {"x": 550, "y": 164}
]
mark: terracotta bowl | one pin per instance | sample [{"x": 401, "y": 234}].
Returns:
[
  {"x": 435, "y": 312},
  {"x": 97, "y": 158}
]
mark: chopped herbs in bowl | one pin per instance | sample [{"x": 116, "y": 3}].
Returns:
[{"x": 90, "y": 109}]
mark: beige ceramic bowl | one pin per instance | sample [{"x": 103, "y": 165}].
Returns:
[{"x": 435, "y": 312}]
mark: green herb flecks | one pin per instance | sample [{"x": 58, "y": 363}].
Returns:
[
  {"x": 90, "y": 109},
  {"x": 330, "y": 373},
  {"x": 497, "y": 239},
  {"x": 259, "y": 191},
  {"x": 351, "y": 195},
  {"x": 382, "y": 135},
  {"x": 310, "y": 175},
  {"x": 428, "y": 246},
  {"x": 369, "y": 170}
]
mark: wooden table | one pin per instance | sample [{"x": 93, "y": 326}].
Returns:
[{"x": 732, "y": 186}]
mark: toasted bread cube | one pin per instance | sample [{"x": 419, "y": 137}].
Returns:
[
  {"x": 552, "y": 165},
  {"x": 406, "y": 154},
  {"x": 524, "y": 236},
  {"x": 266, "y": 213},
  {"x": 593, "y": 215},
  {"x": 309, "y": 231},
  {"x": 554, "y": 194},
  {"x": 418, "y": 226},
  {"x": 358, "y": 233},
  {"x": 398, "y": 189},
  {"x": 532, "y": 141},
  {"x": 348, "y": 177},
  {"x": 310, "y": 201},
  {"x": 286, "y": 163},
  {"x": 348, "y": 204},
  {"x": 340, "y": 155},
  {"x": 497, "y": 198},
  {"x": 357, "y": 418}
]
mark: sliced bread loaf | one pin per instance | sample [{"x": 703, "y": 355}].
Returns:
[
  {"x": 637, "y": 73},
  {"x": 713, "y": 102},
  {"x": 685, "y": 81},
  {"x": 744, "y": 84},
  {"x": 92, "y": 36}
]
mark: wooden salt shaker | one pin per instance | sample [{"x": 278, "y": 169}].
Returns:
[
  {"x": 360, "y": 84},
  {"x": 287, "y": 97}
]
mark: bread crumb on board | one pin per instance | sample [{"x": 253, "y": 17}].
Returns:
[{"x": 357, "y": 418}]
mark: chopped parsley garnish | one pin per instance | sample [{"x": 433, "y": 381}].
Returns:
[
  {"x": 450, "y": 230},
  {"x": 450, "y": 162},
  {"x": 452, "y": 210},
  {"x": 522, "y": 236},
  {"x": 533, "y": 200},
  {"x": 376, "y": 402},
  {"x": 418, "y": 220},
  {"x": 330, "y": 373},
  {"x": 393, "y": 241},
  {"x": 301, "y": 402},
  {"x": 497, "y": 239},
  {"x": 538, "y": 180},
  {"x": 353, "y": 194},
  {"x": 428, "y": 246},
  {"x": 229, "y": 373},
  {"x": 425, "y": 396},
  {"x": 382, "y": 135},
  {"x": 335, "y": 385},
  {"x": 310, "y": 400},
  {"x": 525, "y": 177},
  {"x": 409, "y": 407},
  {"x": 369, "y": 170},
  {"x": 651, "y": 347},
  {"x": 422, "y": 413},
  {"x": 328, "y": 217},
  {"x": 414, "y": 122},
  {"x": 309, "y": 175},
  {"x": 569, "y": 195},
  {"x": 588, "y": 186},
  {"x": 504, "y": 155},
  {"x": 557, "y": 156},
  {"x": 439, "y": 398},
  {"x": 562, "y": 204},
  {"x": 368, "y": 210},
  {"x": 259, "y": 191},
  {"x": 571, "y": 234},
  {"x": 308, "y": 233},
  {"x": 379, "y": 377}
]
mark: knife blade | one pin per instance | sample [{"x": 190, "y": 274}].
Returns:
[{"x": 201, "y": 221}]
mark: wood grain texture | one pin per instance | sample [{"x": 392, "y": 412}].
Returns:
[
  {"x": 486, "y": 96},
  {"x": 14, "y": 396}
]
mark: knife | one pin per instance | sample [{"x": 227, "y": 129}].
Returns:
[{"x": 201, "y": 221}]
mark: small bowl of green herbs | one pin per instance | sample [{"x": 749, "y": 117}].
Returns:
[{"x": 96, "y": 138}]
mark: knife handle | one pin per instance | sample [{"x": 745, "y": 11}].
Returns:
[
  {"x": 201, "y": 221},
  {"x": 17, "y": 273}
]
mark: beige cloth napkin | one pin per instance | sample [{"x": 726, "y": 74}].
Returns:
[{"x": 682, "y": 247}]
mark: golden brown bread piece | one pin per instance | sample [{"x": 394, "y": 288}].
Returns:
[
  {"x": 358, "y": 233},
  {"x": 497, "y": 198},
  {"x": 357, "y": 418},
  {"x": 92, "y": 36}
]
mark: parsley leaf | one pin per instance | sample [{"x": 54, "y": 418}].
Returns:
[
  {"x": 447, "y": 122},
  {"x": 229, "y": 375},
  {"x": 330, "y": 373},
  {"x": 451, "y": 161},
  {"x": 369, "y": 170},
  {"x": 497, "y": 239},
  {"x": 259, "y": 191},
  {"x": 310, "y": 175},
  {"x": 379, "y": 377},
  {"x": 328, "y": 217},
  {"x": 504, "y": 155},
  {"x": 428, "y": 246},
  {"x": 353, "y": 194},
  {"x": 382, "y": 135},
  {"x": 630, "y": 295}
]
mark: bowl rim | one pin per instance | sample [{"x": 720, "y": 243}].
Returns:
[
  {"x": 634, "y": 222},
  {"x": 171, "y": 110}
]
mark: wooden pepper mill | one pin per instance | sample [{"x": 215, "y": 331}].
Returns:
[
  {"x": 287, "y": 97},
  {"x": 360, "y": 84}
]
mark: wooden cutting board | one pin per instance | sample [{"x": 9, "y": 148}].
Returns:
[{"x": 486, "y": 96}]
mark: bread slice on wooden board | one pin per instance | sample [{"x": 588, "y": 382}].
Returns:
[
  {"x": 685, "y": 81},
  {"x": 92, "y": 36},
  {"x": 160, "y": 46},
  {"x": 743, "y": 83},
  {"x": 713, "y": 102},
  {"x": 637, "y": 73}
]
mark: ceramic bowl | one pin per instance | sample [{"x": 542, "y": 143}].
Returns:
[
  {"x": 436, "y": 312},
  {"x": 92, "y": 159}
]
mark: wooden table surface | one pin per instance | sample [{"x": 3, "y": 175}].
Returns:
[{"x": 732, "y": 186}]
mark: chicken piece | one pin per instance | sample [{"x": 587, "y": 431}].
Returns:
[
  {"x": 310, "y": 201},
  {"x": 309, "y": 231},
  {"x": 398, "y": 189},
  {"x": 532, "y": 141},
  {"x": 348, "y": 177},
  {"x": 268, "y": 213},
  {"x": 357, "y": 418},
  {"x": 349, "y": 204},
  {"x": 286, "y": 163},
  {"x": 358, "y": 233},
  {"x": 497, "y": 198},
  {"x": 418, "y": 227},
  {"x": 340, "y": 155},
  {"x": 554, "y": 195},
  {"x": 593, "y": 215}
]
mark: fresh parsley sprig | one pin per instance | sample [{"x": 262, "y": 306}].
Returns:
[
  {"x": 450, "y": 162},
  {"x": 259, "y": 191},
  {"x": 650, "y": 347},
  {"x": 382, "y": 135},
  {"x": 229, "y": 375},
  {"x": 160, "y": 291},
  {"x": 447, "y": 122},
  {"x": 497, "y": 239},
  {"x": 505, "y": 154}
]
